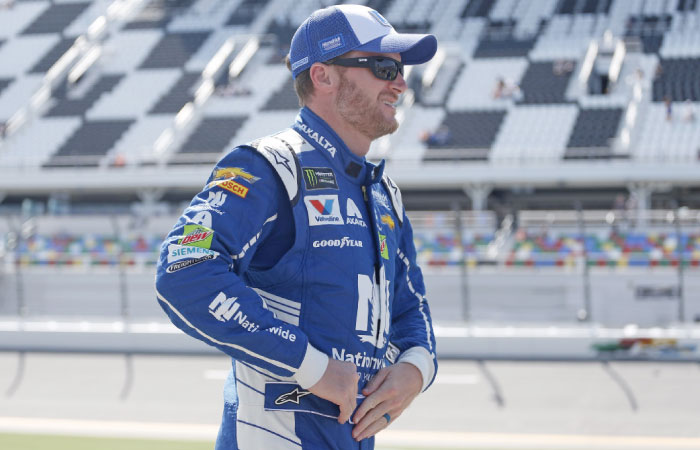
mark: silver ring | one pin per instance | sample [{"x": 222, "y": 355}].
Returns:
[{"x": 387, "y": 417}]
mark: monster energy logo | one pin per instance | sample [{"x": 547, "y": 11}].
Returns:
[{"x": 319, "y": 178}]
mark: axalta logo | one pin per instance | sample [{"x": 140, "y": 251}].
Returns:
[
  {"x": 197, "y": 236},
  {"x": 320, "y": 139},
  {"x": 323, "y": 210},
  {"x": 178, "y": 252},
  {"x": 354, "y": 214},
  {"x": 225, "y": 309},
  {"x": 340, "y": 243}
]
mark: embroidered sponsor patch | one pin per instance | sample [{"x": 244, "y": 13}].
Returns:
[
  {"x": 234, "y": 187},
  {"x": 232, "y": 173},
  {"x": 354, "y": 216},
  {"x": 226, "y": 308},
  {"x": 174, "y": 267},
  {"x": 383, "y": 248},
  {"x": 292, "y": 397},
  {"x": 332, "y": 43},
  {"x": 197, "y": 236},
  {"x": 319, "y": 178},
  {"x": 178, "y": 252},
  {"x": 387, "y": 220},
  {"x": 340, "y": 243},
  {"x": 300, "y": 63},
  {"x": 323, "y": 210}
]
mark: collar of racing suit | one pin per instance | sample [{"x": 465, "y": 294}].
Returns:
[{"x": 322, "y": 137}]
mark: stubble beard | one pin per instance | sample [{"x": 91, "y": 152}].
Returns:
[{"x": 362, "y": 112}]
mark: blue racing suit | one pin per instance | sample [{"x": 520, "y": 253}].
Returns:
[{"x": 296, "y": 251}]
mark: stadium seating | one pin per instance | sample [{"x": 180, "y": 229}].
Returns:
[{"x": 512, "y": 87}]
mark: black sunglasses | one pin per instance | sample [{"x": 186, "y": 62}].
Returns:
[{"x": 382, "y": 67}]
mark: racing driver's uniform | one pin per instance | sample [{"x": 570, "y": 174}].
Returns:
[{"x": 296, "y": 251}]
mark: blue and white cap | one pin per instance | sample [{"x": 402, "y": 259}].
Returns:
[{"x": 332, "y": 31}]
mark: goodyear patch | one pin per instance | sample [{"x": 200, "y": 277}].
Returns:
[
  {"x": 319, "y": 178},
  {"x": 383, "y": 247},
  {"x": 234, "y": 187},
  {"x": 197, "y": 236}
]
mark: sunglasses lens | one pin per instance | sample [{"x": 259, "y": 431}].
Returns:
[{"x": 385, "y": 69}]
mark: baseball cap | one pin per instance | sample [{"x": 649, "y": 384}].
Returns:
[{"x": 333, "y": 31}]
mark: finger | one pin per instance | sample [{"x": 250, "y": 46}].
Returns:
[
  {"x": 372, "y": 416},
  {"x": 345, "y": 412},
  {"x": 348, "y": 406},
  {"x": 375, "y": 382},
  {"x": 375, "y": 427}
]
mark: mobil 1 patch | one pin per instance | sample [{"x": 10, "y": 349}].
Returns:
[{"x": 319, "y": 178}]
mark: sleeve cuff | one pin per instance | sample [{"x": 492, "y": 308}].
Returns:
[
  {"x": 421, "y": 358},
  {"x": 312, "y": 367}
]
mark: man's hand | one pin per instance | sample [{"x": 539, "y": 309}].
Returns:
[
  {"x": 339, "y": 385},
  {"x": 390, "y": 392}
]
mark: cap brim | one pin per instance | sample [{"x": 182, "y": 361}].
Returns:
[{"x": 414, "y": 48}]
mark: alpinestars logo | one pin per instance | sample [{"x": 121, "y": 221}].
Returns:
[
  {"x": 354, "y": 214},
  {"x": 320, "y": 139},
  {"x": 293, "y": 397},
  {"x": 323, "y": 210}
]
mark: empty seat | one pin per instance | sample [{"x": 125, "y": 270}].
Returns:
[
  {"x": 89, "y": 143},
  {"x": 56, "y": 18},
  {"x": 174, "y": 50}
]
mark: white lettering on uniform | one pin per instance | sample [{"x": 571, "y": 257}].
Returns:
[
  {"x": 341, "y": 243},
  {"x": 320, "y": 139},
  {"x": 224, "y": 309}
]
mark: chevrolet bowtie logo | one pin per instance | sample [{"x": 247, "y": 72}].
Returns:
[{"x": 293, "y": 397}]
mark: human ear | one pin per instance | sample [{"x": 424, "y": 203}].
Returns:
[{"x": 322, "y": 76}]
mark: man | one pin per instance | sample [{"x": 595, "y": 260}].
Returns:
[{"x": 297, "y": 258}]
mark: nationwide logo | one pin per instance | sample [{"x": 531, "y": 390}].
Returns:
[
  {"x": 387, "y": 220},
  {"x": 319, "y": 178},
  {"x": 354, "y": 215},
  {"x": 234, "y": 187},
  {"x": 383, "y": 248},
  {"x": 197, "y": 236},
  {"x": 340, "y": 243},
  {"x": 224, "y": 309},
  {"x": 320, "y": 140},
  {"x": 178, "y": 252},
  {"x": 189, "y": 263},
  {"x": 323, "y": 210},
  {"x": 293, "y": 397}
]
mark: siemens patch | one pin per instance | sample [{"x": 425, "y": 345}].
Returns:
[
  {"x": 178, "y": 252},
  {"x": 319, "y": 178}
]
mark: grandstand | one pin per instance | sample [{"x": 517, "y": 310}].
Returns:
[{"x": 113, "y": 112}]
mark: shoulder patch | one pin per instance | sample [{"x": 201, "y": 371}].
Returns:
[
  {"x": 395, "y": 196},
  {"x": 281, "y": 153}
]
